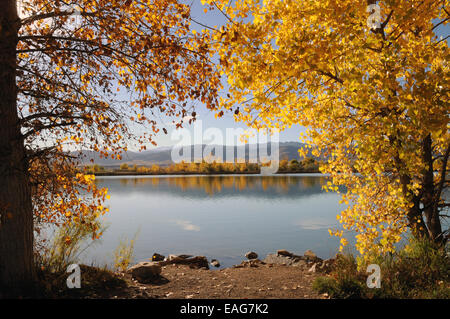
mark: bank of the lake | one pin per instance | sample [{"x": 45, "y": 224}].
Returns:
[
  {"x": 277, "y": 276},
  {"x": 133, "y": 173}
]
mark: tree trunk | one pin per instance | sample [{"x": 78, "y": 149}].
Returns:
[
  {"x": 426, "y": 203},
  {"x": 16, "y": 214},
  {"x": 430, "y": 195}
]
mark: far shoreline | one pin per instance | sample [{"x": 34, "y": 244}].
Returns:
[{"x": 124, "y": 174}]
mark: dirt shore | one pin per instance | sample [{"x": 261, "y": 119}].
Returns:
[{"x": 263, "y": 281}]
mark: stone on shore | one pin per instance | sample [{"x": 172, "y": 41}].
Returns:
[
  {"x": 310, "y": 254},
  {"x": 251, "y": 255},
  {"x": 185, "y": 256},
  {"x": 215, "y": 263},
  {"x": 158, "y": 257},
  {"x": 324, "y": 266},
  {"x": 284, "y": 252},
  {"x": 145, "y": 271},
  {"x": 313, "y": 268},
  {"x": 177, "y": 257},
  {"x": 250, "y": 263},
  {"x": 278, "y": 259},
  {"x": 193, "y": 262}
]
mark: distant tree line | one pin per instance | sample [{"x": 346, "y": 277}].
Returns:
[{"x": 308, "y": 165}]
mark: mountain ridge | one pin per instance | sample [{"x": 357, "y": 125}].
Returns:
[{"x": 163, "y": 155}]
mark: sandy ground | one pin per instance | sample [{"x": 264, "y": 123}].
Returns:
[{"x": 263, "y": 281}]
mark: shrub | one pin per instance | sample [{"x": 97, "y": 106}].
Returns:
[
  {"x": 96, "y": 283},
  {"x": 419, "y": 270},
  {"x": 53, "y": 257},
  {"x": 123, "y": 255},
  {"x": 68, "y": 243}
]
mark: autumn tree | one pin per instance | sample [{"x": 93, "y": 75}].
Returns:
[
  {"x": 373, "y": 96},
  {"x": 82, "y": 75}
]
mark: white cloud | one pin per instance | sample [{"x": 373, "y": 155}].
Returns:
[
  {"x": 186, "y": 225},
  {"x": 314, "y": 224}
]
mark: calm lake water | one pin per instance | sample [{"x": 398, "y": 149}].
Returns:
[{"x": 220, "y": 217}]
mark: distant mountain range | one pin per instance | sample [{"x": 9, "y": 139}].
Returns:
[{"x": 163, "y": 155}]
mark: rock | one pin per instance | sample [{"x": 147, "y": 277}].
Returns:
[
  {"x": 313, "y": 268},
  {"x": 326, "y": 266},
  {"x": 284, "y": 252},
  {"x": 145, "y": 271},
  {"x": 310, "y": 254},
  {"x": 215, "y": 263},
  {"x": 322, "y": 266},
  {"x": 173, "y": 257},
  {"x": 251, "y": 255},
  {"x": 158, "y": 257},
  {"x": 250, "y": 263},
  {"x": 185, "y": 256},
  {"x": 193, "y": 262},
  {"x": 284, "y": 260}
]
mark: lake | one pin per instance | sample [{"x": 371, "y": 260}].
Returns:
[{"x": 220, "y": 217}]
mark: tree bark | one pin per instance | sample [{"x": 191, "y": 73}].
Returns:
[
  {"x": 16, "y": 213},
  {"x": 429, "y": 197}
]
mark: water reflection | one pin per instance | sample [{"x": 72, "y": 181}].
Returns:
[
  {"x": 218, "y": 185},
  {"x": 220, "y": 217}
]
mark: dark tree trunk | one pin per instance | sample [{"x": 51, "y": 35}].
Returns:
[
  {"x": 429, "y": 209},
  {"x": 422, "y": 203},
  {"x": 423, "y": 216},
  {"x": 16, "y": 215}
]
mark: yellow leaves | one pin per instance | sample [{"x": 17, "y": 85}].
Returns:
[
  {"x": 344, "y": 243},
  {"x": 258, "y": 18}
]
